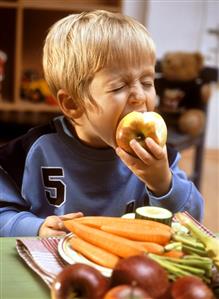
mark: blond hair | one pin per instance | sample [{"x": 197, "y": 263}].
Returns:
[{"x": 80, "y": 45}]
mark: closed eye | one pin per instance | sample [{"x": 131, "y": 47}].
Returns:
[
  {"x": 118, "y": 88},
  {"x": 147, "y": 83}
]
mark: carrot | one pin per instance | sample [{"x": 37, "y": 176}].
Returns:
[
  {"x": 152, "y": 247},
  {"x": 98, "y": 221},
  {"x": 93, "y": 253},
  {"x": 138, "y": 232},
  {"x": 174, "y": 253},
  {"x": 112, "y": 243}
]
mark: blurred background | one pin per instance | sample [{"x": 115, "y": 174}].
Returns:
[{"x": 186, "y": 34}]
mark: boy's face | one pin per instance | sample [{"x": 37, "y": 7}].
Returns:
[{"x": 117, "y": 91}]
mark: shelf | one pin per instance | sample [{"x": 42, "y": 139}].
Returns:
[
  {"x": 7, "y": 45},
  {"x": 25, "y": 107},
  {"x": 32, "y": 47},
  {"x": 8, "y": 4},
  {"x": 69, "y": 5},
  {"x": 72, "y": 5},
  {"x": 23, "y": 28}
]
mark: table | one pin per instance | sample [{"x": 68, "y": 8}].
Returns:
[{"x": 17, "y": 280}]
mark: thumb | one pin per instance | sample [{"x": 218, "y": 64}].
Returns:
[
  {"x": 54, "y": 222},
  {"x": 71, "y": 216}
]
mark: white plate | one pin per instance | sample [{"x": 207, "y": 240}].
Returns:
[{"x": 71, "y": 256}]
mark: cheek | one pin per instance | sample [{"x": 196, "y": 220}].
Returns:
[
  {"x": 109, "y": 129},
  {"x": 152, "y": 100},
  {"x": 104, "y": 126}
]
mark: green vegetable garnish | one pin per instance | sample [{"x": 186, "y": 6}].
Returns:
[{"x": 211, "y": 244}]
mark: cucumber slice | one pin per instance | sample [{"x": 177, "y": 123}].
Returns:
[
  {"x": 154, "y": 213},
  {"x": 128, "y": 215}
]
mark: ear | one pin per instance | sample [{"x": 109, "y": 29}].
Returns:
[{"x": 68, "y": 106}]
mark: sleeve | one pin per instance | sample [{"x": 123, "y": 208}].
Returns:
[
  {"x": 15, "y": 216},
  {"x": 183, "y": 195}
]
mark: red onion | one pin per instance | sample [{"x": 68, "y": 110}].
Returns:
[
  {"x": 143, "y": 272},
  {"x": 79, "y": 278},
  {"x": 191, "y": 287}
]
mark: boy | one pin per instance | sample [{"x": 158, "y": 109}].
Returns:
[{"x": 100, "y": 66}]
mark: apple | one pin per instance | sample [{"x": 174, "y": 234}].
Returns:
[
  {"x": 143, "y": 272},
  {"x": 191, "y": 287},
  {"x": 127, "y": 292},
  {"x": 79, "y": 280},
  {"x": 138, "y": 126}
]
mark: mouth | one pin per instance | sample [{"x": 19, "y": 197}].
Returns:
[{"x": 140, "y": 111}]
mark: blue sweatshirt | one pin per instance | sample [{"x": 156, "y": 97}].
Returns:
[{"x": 48, "y": 171}]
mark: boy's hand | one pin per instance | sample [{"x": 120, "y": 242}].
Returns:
[
  {"x": 151, "y": 167},
  {"x": 53, "y": 226}
]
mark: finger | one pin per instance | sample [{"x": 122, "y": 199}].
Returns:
[
  {"x": 157, "y": 151},
  {"x": 134, "y": 164},
  {"x": 126, "y": 158},
  {"x": 141, "y": 152},
  {"x": 49, "y": 232},
  {"x": 54, "y": 222},
  {"x": 71, "y": 216}
]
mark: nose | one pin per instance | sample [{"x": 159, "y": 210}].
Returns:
[{"x": 137, "y": 94}]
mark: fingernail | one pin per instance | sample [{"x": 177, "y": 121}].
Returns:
[
  {"x": 63, "y": 234},
  {"x": 80, "y": 214},
  {"x": 60, "y": 225},
  {"x": 133, "y": 141},
  {"x": 148, "y": 140}
]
